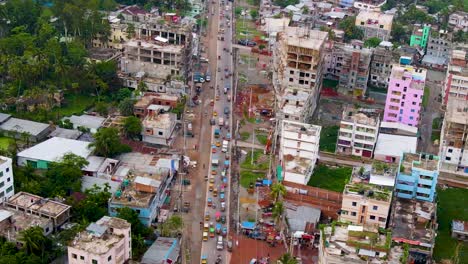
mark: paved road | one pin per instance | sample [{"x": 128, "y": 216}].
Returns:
[{"x": 217, "y": 170}]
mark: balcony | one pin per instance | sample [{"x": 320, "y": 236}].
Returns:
[
  {"x": 292, "y": 56},
  {"x": 305, "y": 58},
  {"x": 422, "y": 190},
  {"x": 406, "y": 178},
  {"x": 344, "y": 142},
  {"x": 425, "y": 182}
]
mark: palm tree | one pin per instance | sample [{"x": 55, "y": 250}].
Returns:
[
  {"x": 277, "y": 190},
  {"x": 278, "y": 210},
  {"x": 287, "y": 259},
  {"x": 33, "y": 240}
]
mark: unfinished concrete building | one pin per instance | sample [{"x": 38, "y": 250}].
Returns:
[
  {"x": 381, "y": 65},
  {"x": 297, "y": 64},
  {"x": 456, "y": 80}
]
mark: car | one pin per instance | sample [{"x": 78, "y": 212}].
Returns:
[
  {"x": 223, "y": 219},
  {"x": 214, "y": 172},
  {"x": 211, "y": 187},
  {"x": 226, "y": 110},
  {"x": 218, "y": 144},
  {"x": 221, "y": 197},
  {"x": 217, "y": 97},
  {"x": 204, "y": 260},
  {"x": 223, "y": 207},
  {"x": 206, "y": 227},
  {"x": 215, "y": 192},
  {"x": 212, "y": 179},
  {"x": 215, "y": 113},
  {"x": 207, "y": 217},
  {"x": 210, "y": 202},
  {"x": 212, "y": 102},
  {"x": 213, "y": 149},
  {"x": 224, "y": 231},
  {"x": 218, "y": 228}
]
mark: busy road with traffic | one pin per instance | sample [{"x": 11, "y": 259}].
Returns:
[{"x": 215, "y": 236}]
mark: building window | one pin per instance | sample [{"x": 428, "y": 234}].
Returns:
[
  {"x": 291, "y": 80},
  {"x": 7, "y": 169},
  {"x": 397, "y": 84},
  {"x": 160, "y": 133},
  {"x": 354, "y": 203},
  {"x": 291, "y": 72},
  {"x": 9, "y": 189},
  {"x": 2, "y": 184},
  {"x": 362, "y": 23},
  {"x": 82, "y": 257},
  {"x": 450, "y": 150},
  {"x": 411, "y": 118},
  {"x": 448, "y": 158},
  {"x": 375, "y": 207},
  {"x": 1, "y": 173},
  {"x": 413, "y": 103},
  {"x": 109, "y": 258},
  {"x": 382, "y": 219},
  {"x": 47, "y": 230},
  {"x": 381, "y": 26},
  {"x": 94, "y": 261},
  {"x": 74, "y": 256},
  {"x": 372, "y": 217},
  {"x": 405, "y": 88},
  {"x": 353, "y": 213},
  {"x": 138, "y": 211},
  {"x": 412, "y": 110}
]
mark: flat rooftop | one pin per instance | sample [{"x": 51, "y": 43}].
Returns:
[
  {"x": 150, "y": 44},
  {"x": 395, "y": 145},
  {"x": 90, "y": 121},
  {"x": 38, "y": 204},
  {"x": 302, "y": 128},
  {"x": 372, "y": 16},
  {"x": 163, "y": 121},
  {"x": 413, "y": 220},
  {"x": 369, "y": 117},
  {"x": 22, "y": 125},
  {"x": 4, "y": 160},
  {"x": 417, "y": 75},
  {"x": 21, "y": 221},
  {"x": 296, "y": 164},
  {"x": 304, "y": 38},
  {"x": 152, "y": 98},
  {"x": 130, "y": 197},
  {"x": 423, "y": 161},
  {"x": 55, "y": 148}
]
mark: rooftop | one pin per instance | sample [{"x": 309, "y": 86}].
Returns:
[
  {"x": 55, "y": 148},
  {"x": 20, "y": 221},
  {"x": 458, "y": 63},
  {"x": 300, "y": 217},
  {"x": 423, "y": 161},
  {"x": 152, "y": 98},
  {"x": 162, "y": 249},
  {"x": 88, "y": 121},
  {"x": 457, "y": 111},
  {"x": 369, "y": 117},
  {"x": 296, "y": 164},
  {"x": 66, "y": 133},
  {"x": 397, "y": 128},
  {"x": 302, "y": 128},
  {"x": 152, "y": 44},
  {"x": 4, "y": 160},
  {"x": 374, "y": 18},
  {"x": 403, "y": 72},
  {"x": 128, "y": 196},
  {"x": 460, "y": 226},
  {"x": 37, "y": 203},
  {"x": 88, "y": 182},
  {"x": 395, "y": 145},
  {"x": 21, "y": 125},
  {"x": 413, "y": 220},
  {"x": 163, "y": 121},
  {"x": 4, "y": 117},
  {"x": 99, "y": 237},
  {"x": 305, "y": 38}
]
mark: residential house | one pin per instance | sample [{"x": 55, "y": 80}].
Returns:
[
  {"x": 460, "y": 230},
  {"x": 459, "y": 21},
  {"x": 106, "y": 241},
  {"x": 142, "y": 106},
  {"x": 369, "y": 4},
  {"x": 456, "y": 80},
  {"x": 163, "y": 250},
  {"x": 438, "y": 50},
  {"x": 302, "y": 218},
  {"x": 394, "y": 140},
  {"x": 417, "y": 178},
  {"x": 420, "y": 36},
  {"x": 375, "y": 24},
  {"x": 405, "y": 95},
  {"x": 6, "y": 178},
  {"x": 381, "y": 65},
  {"x": 24, "y": 129},
  {"x": 299, "y": 146},
  {"x": 358, "y": 132},
  {"x": 91, "y": 122},
  {"x": 159, "y": 127},
  {"x": 12, "y": 222}
]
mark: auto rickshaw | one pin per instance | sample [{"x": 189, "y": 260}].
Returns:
[
  {"x": 207, "y": 217},
  {"x": 205, "y": 236},
  {"x": 215, "y": 192}
]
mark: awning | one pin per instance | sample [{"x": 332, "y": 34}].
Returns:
[
  {"x": 267, "y": 182},
  {"x": 248, "y": 225}
]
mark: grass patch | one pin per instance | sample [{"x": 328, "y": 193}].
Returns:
[
  {"x": 328, "y": 137},
  {"x": 452, "y": 204},
  {"x": 435, "y": 135},
  {"x": 332, "y": 179},
  {"x": 5, "y": 142},
  {"x": 436, "y": 123},
  {"x": 376, "y": 89},
  {"x": 244, "y": 135},
  {"x": 246, "y": 29},
  {"x": 247, "y": 177},
  {"x": 329, "y": 83},
  {"x": 262, "y": 138},
  {"x": 260, "y": 161},
  {"x": 427, "y": 93}
]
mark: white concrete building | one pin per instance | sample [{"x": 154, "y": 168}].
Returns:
[
  {"x": 299, "y": 147},
  {"x": 375, "y": 24},
  {"x": 459, "y": 21},
  {"x": 159, "y": 128},
  {"x": 456, "y": 80},
  {"x": 6, "y": 178},
  {"x": 358, "y": 132}
]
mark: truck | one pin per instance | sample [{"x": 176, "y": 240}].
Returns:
[
  {"x": 225, "y": 146},
  {"x": 221, "y": 122}
]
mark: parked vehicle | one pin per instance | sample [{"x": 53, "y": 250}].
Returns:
[
  {"x": 210, "y": 202},
  {"x": 221, "y": 121},
  {"x": 224, "y": 231},
  {"x": 219, "y": 243},
  {"x": 247, "y": 42},
  {"x": 218, "y": 228},
  {"x": 205, "y": 236},
  {"x": 226, "y": 110}
]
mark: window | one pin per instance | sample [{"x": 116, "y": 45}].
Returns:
[
  {"x": 353, "y": 213},
  {"x": 82, "y": 257},
  {"x": 291, "y": 80},
  {"x": 381, "y": 26},
  {"x": 291, "y": 72},
  {"x": 412, "y": 110},
  {"x": 372, "y": 217},
  {"x": 375, "y": 207},
  {"x": 160, "y": 133},
  {"x": 382, "y": 219},
  {"x": 47, "y": 231},
  {"x": 354, "y": 203},
  {"x": 8, "y": 179},
  {"x": 7, "y": 169},
  {"x": 450, "y": 150},
  {"x": 405, "y": 88},
  {"x": 448, "y": 158},
  {"x": 401, "y": 111},
  {"x": 397, "y": 85},
  {"x": 2, "y": 184},
  {"x": 94, "y": 261},
  {"x": 411, "y": 118},
  {"x": 138, "y": 211},
  {"x": 1, "y": 173},
  {"x": 74, "y": 256},
  {"x": 109, "y": 258},
  {"x": 413, "y": 103},
  {"x": 9, "y": 189},
  {"x": 362, "y": 23},
  {"x": 415, "y": 95}
]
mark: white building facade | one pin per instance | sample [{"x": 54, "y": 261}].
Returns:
[{"x": 6, "y": 178}]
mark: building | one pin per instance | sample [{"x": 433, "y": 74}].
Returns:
[
  {"x": 460, "y": 230},
  {"x": 420, "y": 36},
  {"x": 145, "y": 186},
  {"x": 459, "y": 21},
  {"x": 438, "y": 50},
  {"x": 352, "y": 244},
  {"x": 142, "y": 106},
  {"x": 159, "y": 127},
  {"x": 163, "y": 250},
  {"x": 299, "y": 147},
  {"x": 405, "y": 95},
  {"x": 100, "y": 167},
  {"x": 93, "y": 123},
  {"x": 21, "y": 128},
  {"x": 52, "y": 150},
  {"x": 118, "y": 35},
  {"x": 375, "y": 24},
  {"x": 367, "y": 197},
  {"x": 456, "y": 80},
  {"x": 6, "y": 178},
  {"x": 12, "y": 222},
  {"x": 417, "y": 178},
  {"x": 302, "y": 218},
  {"x": 57, "y": 212},
  {"x": 358, "y": 132},
  {"x": 297, "y": 63},
  {"x": 349, "y": 64},
  {"x": 381, "y": 65},
  {"x": 453, "y": 144},
  {"x": 369, "y": 4},
  {"x": 414, "y": 223},
  {"x": 391, "y": 145},
  {"x": 292, "y": 104},
  {"x": 106, "y": 241}
]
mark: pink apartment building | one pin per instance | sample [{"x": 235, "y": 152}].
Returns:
[{"x": 405, "y": 94}]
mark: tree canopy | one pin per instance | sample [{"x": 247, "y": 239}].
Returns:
[
  {"x": 285, "y": 3},
  {"x": 372, "y": 42},
  {"x": 132, "y": 127},
  {"x": 350, "y": 29},
  {"x": 107, "y": 143}
]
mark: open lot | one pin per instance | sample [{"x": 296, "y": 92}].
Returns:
[
  {"x": 330, "y": 178},
  {"x": 452, "y": 204},
  {"x": 328, "y": 137}
]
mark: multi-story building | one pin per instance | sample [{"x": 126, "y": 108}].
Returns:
[
  {"x": 456, "y": 80},
  {"x": 453, "y": 142},
  {"x": 358, "y": 132},
  {"x": 352, "y": 244},
  {"x": 292, "y": 104},
  {"x": 349, "y": 63},
  {"x": 144, "y": 189},
  {"x": 405, "y": 94},
  {"x": 420, "y": 36},
  {"x": 417, "y": 177},
  {"x": 299, "y": 147},
  {"x": 297, "y": 64},
  {"x": 118, "y": 35},
  {"x": 381, "y": 65},
  {"x": 439, "y": 47},
  {"x": 106, "y": 241},
  {"x": 142, "y": 106},
  {"x": 368, "y": 196},
  {"x": 369, "y": 4},
  {"x": 6, "y": 178},
  {"x": 12, "y": 222},
  {"x": 394, "y": 140},
  {"x": 459, "y": 21},
  {"x": 159, "y": 127},
  {"x": 375, "y": 24}
]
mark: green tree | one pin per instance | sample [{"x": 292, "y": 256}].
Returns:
[
  {"x": 123, "y": 94},
  {"x": 254, "y": 14},
  {"x": 287, "y": 259},
  {"x": 285, "y": 3},
  {"x": 132, "y": 127},
  {"x": 94, "y": 206},
  {"x": 107, "y": 142},
  {"x": 372, "y": 42},
  {"x": 238, "y": 11},
  {"x": 132, "y": 217},
  {"x": 130, "y": 30},
  {"x": 172, "y": 226},
  {"x": 277, "y": 211},
  {"x": 277, "y": 191},
  {"x": 350, "y": 29},
  {"x": 34, "y": 240},
  {"x": 102, "y": 108},
  {"x": 126, "y": 107}
]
